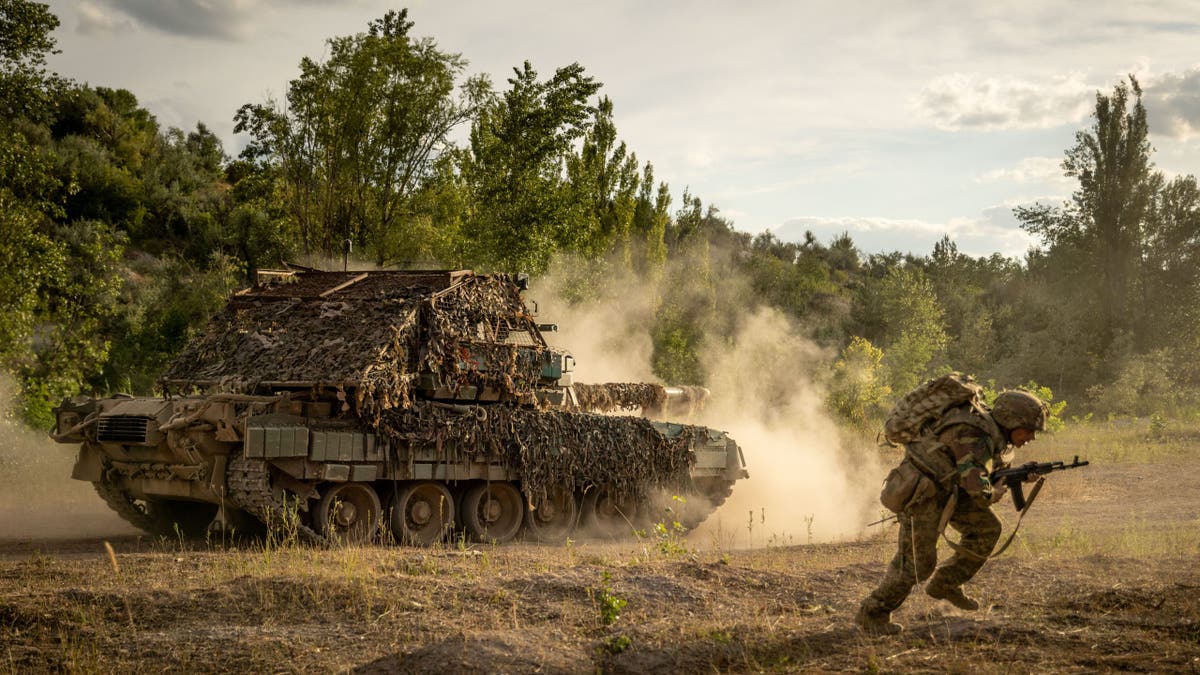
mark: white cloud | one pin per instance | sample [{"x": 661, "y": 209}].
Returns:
[
  {"x": 220, "y": 19},
  {"x": 971, "y": 101},
  {"x": 1172, "y": 103},
  {"x": 1028, "y": 170},
  {"x": 97, "y": 20},
  {"x": 996, "y": 231}
]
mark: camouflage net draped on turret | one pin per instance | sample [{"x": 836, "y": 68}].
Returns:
[
  {"x": 652, "y": 399},
  {"x": 363, "y": 332},
  {"x": 481, "y": 336},
  {"x": 626, "y": 454},
  {"x": 620, "y": 396}
]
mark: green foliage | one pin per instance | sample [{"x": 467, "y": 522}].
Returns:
[
  {"x": 900, "y": 313},
  {"x": 603, "y": 186},
  {"x": 617, "y": 643},
  {"x": 801, "y": 280},
  {"x": 1094, "y": 244},
  {"x": 361, "y": 133},
  {"x": 857, "y": 391},
  {"x": 77, "y": 299},
  {"x": 609, "y": 604},
  {"x": 161, "y": 310},
  {"x": 1146, "y": 384},
  {"x": 118, "y": 238},
  {"x": 513, "y": 170},
  {"x": 26, "y": 39},
  {"x": 676, "y": 356},
  {"x": 668, "y": 533},
  {"x": 28, "y": 256}
]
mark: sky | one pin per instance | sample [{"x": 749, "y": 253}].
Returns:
[{"x": 895, "y": 122}]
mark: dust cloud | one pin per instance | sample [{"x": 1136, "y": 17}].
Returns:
[
  {"x": 38, "y": 497},
  {"x": 807, "y": 482}
]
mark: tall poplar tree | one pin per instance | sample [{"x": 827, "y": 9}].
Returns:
[{"x": 1105, "y": 219}]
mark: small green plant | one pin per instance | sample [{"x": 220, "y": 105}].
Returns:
[
  {"x": 618, "y": 643},
  {"x": 1158, "y": 424},
  {"x": 610, "y": 604},
  {"x": 669, "y": 538}
]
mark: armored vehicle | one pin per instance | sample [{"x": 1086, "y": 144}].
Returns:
[{"x": 401, "y": 405}]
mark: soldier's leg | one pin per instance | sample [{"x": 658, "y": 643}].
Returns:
[
  {"x": 980, "y": 530},
  {"x": 915, "y": 559}
]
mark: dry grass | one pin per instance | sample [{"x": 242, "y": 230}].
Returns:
[{"x": 1102, "y": 577}]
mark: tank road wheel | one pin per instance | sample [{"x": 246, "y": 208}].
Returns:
[
  {"x": 493, "y": 511},
  {"x": 348, "y": 513},
  {"x": 422, "y": 513},
  {"x": 551, "y": 519},
  {"x": 608, "y": 515}
]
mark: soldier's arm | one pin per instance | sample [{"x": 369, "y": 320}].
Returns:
[{"x": 972, "y": 452}]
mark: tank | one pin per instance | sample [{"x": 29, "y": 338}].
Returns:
[{"x": 394, "y": 406}]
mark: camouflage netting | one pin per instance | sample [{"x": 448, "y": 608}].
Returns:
[
  {"x": 480, "y": 334},
  {"x": 571, "y": 449},
  {"x": 620, "y": 396},
  {"x": 652, "y": 399},
  {"x": 371, "y": 332}
]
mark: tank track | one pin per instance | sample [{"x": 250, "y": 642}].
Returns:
[
  {"x": 715, "y": 496},
  {"x": 128, "y": 509},
  {"x": 248, "y": 482}
]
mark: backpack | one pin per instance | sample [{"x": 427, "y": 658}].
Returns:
[{"x": 921, "y": 407}]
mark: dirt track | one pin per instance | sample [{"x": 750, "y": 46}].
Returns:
[{"x": 1103, "y": 577}]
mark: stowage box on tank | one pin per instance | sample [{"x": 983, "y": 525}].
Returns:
[{"x": 351, "y": 405}]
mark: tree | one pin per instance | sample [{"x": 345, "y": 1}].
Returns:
[
  {"x": 900, "y": 313},
  {"x": 25, "y": 41},
  {"x": 514, "y": 167},
  {"x": 650, "y": 218},
  {"x": 1171, "y": 268},
  {"x": 360, "y": 133},
  {"x": 1106, "y": 216},
  {"x": 604, "y": 181},
  {"x": 857, "y": 393}
]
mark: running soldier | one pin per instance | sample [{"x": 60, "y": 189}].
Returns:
[{"x": 956, "y": 453}]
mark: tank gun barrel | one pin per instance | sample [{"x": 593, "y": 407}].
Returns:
[{"x": 653, "y": 399}]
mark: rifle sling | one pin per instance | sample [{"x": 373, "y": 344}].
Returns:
[{"x": 958, "y": 548}]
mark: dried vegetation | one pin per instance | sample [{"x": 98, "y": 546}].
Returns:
[{"x": 1102, "y": 577}]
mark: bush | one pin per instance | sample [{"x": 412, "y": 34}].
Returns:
[
  {"x": 1145, "y": 385},
  {"x": 858, "y": 392}
]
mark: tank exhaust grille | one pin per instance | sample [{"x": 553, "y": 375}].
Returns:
[{"x": 123, "y": 429}]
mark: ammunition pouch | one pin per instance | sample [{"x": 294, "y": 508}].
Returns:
[{"x": 906, "y": 486}]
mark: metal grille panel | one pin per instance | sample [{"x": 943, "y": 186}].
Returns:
[{"x": 123, "y": 429}]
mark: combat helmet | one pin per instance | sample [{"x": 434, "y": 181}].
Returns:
[{"x": 1019, "y": 410}]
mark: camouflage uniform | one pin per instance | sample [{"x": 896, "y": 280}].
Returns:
[{"x": 961, "y": 452}]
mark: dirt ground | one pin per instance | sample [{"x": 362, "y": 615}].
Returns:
[{"x": 1103, "y": 577}]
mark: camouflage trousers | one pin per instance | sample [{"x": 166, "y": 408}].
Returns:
[{"x": 917, "y": 555}]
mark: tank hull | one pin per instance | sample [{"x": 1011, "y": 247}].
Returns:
[{"x": 156, "y": 460}]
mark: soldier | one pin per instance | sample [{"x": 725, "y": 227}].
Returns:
[{"x": 959, "y": 452}]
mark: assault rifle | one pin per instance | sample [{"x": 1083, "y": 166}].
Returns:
[{"x": 1014, "y": 477}]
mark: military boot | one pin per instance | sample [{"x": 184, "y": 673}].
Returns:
[
  {"x": 954, "y": 596},
  {"x": 875, "y": 623}
]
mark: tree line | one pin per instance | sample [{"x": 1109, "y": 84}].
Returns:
[{"x": 118, "y": 237}]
